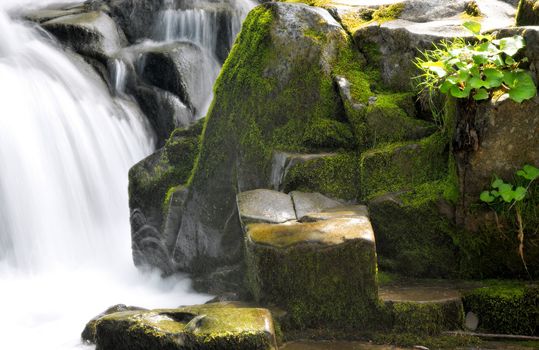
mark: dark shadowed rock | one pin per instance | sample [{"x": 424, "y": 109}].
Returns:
[
  {"x": 135, "y": 17},
  {"x": 178, "y": 68},
  {"x": 93, "y": 34}
]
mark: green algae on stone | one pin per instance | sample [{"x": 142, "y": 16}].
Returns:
[
  {"x": 295, "y": 267},
  {"x": 210, "y": 326},
  {"x": 335, "y": 176}
]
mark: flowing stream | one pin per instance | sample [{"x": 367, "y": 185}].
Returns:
[{"x": 66, "y": 146}]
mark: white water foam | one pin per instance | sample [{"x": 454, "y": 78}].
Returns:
[{"x": 65, "y": 149}]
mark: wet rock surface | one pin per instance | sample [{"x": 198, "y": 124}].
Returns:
[{"x": 210, "y": 326}]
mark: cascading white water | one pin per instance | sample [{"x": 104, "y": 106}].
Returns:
[
  {"x": 200, "y": 22},
  {"x": 65, "y": 149}
]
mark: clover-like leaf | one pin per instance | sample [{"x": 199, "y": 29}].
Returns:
[
  {"x": 510, "y": 46},
  {"x": 519, "y": 193},
  {"x": 472, "y": 26},
  {"x": 497, "y": 183},
  {"x": 481, "y": 94},
  {"x": 529, "y": 172},
  {"x": 487, "y": 197},
  {"x": 506, "y": 192}
]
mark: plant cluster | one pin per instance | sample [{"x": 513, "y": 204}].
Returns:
[
  {"x": 476, "y": 69},
  {"x": 508, "y": 196}
]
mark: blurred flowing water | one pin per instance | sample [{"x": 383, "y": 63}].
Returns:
[{"x": 66, "y": 146}]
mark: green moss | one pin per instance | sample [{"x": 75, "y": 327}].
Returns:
[
  {"x": 151, "y": 179},
  {"x": 402, "y": 166},
  {"x": 315, "y": 291},
  {"x": 472, "y": 9},
  {"x": 390, "y": 119},
  {"x": 506, "y": 308},
  {"x": 388, "y": 13},
  {"x": 328, "y": 134},
  {"x": 336, "y": 176},
  {"x": 427, "y": 318},
  {"x": 528, "y": 13},
  {"x": 353, "y": 20}
]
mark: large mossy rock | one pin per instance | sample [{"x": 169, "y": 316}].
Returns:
[
  {"x": 320, "y": 269},
  {"x": 155, "y": 195},
  {"x": 210, "y": 326},
  {"x": 276, "y": 83}
]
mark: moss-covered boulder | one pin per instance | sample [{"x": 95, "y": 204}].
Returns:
[
  {"x": 321, "y": 271},
  {"x": 506, "y": 308},
  {"x": 210, "y": 326},
  {"x": 152, "y": 183},
  {"x": 88, "y": 334},
  {"x": 528, "y": 13},
  {"x": 275, "y": 86}
]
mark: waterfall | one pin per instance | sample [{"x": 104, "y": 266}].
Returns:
[
  {"x": 212, "y": 26},
  {"x": 66, "y": 146}
]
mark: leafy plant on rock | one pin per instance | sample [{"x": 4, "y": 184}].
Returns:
[
  {"x": 511, "y": 197},
  {"x": 476, "y": 69}
]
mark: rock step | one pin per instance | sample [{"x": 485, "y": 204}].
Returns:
[
  {"x": 319, "y": 265},
  {"x": 427, "y": 309}
]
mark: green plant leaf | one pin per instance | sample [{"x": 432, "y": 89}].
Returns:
[
  {"x": 446, "y": 85},
  {"x": 458, "y": 93},
  {"x": 510, "y": 46},
  {"x": 529, "y": 172},
  {"x": 506, "y": 192},
  {"x": 521, "y": 86},
  {"x": 476, "y": 83},
  {"x": 487, "y": 197},
  {"x": 481, "y": 94},
  {"x": 494, "y": 77},
  {"x": 519, "y": 193},
  {"x": 472, "y": 26},
  {"x": 497, "y": 183}
]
